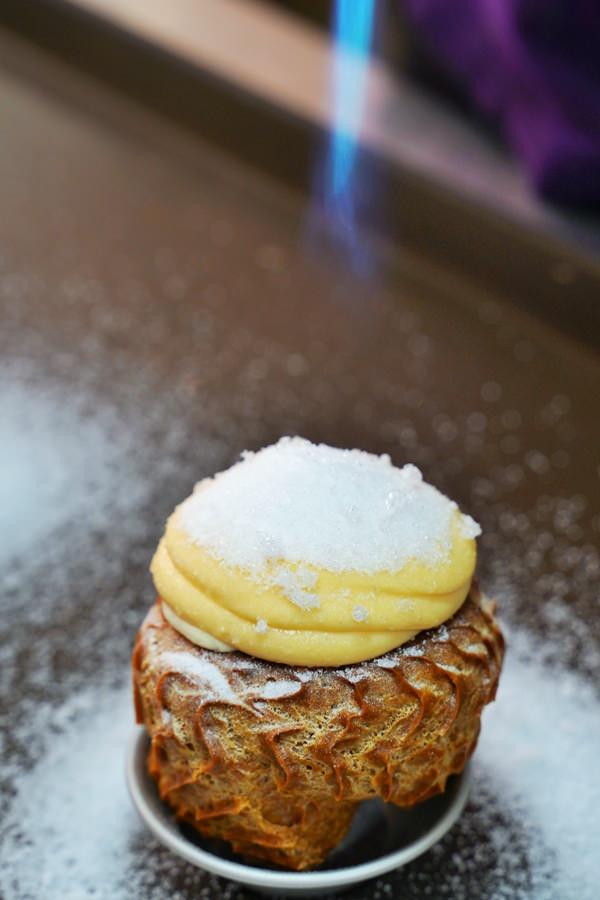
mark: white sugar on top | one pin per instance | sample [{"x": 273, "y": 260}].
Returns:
[{"x": 321, "y": 506}]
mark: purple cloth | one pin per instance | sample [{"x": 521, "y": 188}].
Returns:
[{"x": 534, "y": 65}]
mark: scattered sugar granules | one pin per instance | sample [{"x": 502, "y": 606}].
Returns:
[{"x": 315, "y": 505}]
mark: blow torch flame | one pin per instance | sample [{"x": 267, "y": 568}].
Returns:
[{"x": 353, "y": 31}]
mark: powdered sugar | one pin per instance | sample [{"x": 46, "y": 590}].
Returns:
[
  {"x": 359, "y": 613},
  {"x": 297, "y": 584},
  {"x": 320, "y": 506},
  {"x": 72, "y": 832},
  {"x": 280, "y": 688},
  {"x": 547, "y": 721},
  {"x": 241, "y": 685},
  {"x": 71, "y": 821},
  {"x": 405, "y": 604},
  {"x": 390, "y": 661},
  {"x": 470, "y": 528},
  {"x": 215, "y": 687}
]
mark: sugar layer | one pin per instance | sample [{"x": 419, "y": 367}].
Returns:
[{"x": 330, "y": 508}]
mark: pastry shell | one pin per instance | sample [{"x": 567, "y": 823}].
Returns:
[{"x": 275, "y": 758}]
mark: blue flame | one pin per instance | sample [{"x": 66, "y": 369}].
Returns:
[{"x": 353, "y": 30}]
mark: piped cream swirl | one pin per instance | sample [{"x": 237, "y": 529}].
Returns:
[{"x": 260, "y": 585}]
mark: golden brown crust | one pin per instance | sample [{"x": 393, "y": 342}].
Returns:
[{"x": 275, "y": 758}]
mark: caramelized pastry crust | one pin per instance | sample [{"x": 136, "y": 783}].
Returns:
[{"x": 275, "y": 758}]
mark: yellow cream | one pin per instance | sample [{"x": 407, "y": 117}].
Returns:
[{"x": 298, "y": 611}]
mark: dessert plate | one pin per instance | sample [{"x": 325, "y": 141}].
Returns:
[{"x": 382, "y": 837}]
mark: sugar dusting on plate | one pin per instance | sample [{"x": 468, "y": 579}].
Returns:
[
  {"x": 321, "y": 506},
  {"x": 525, "y": 833}
]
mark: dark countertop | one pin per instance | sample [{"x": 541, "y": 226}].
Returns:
[{"x": 161, "y": 311}]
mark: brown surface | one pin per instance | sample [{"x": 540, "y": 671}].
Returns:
[
  {"x": 280, "y": 778},
  {"x": 160, "y": 312}
]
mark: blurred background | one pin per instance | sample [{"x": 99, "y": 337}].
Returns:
[{"x": 228, "y": 220}]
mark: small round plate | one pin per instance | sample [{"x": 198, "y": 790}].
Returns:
[{"x": 382, "y": 837}]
